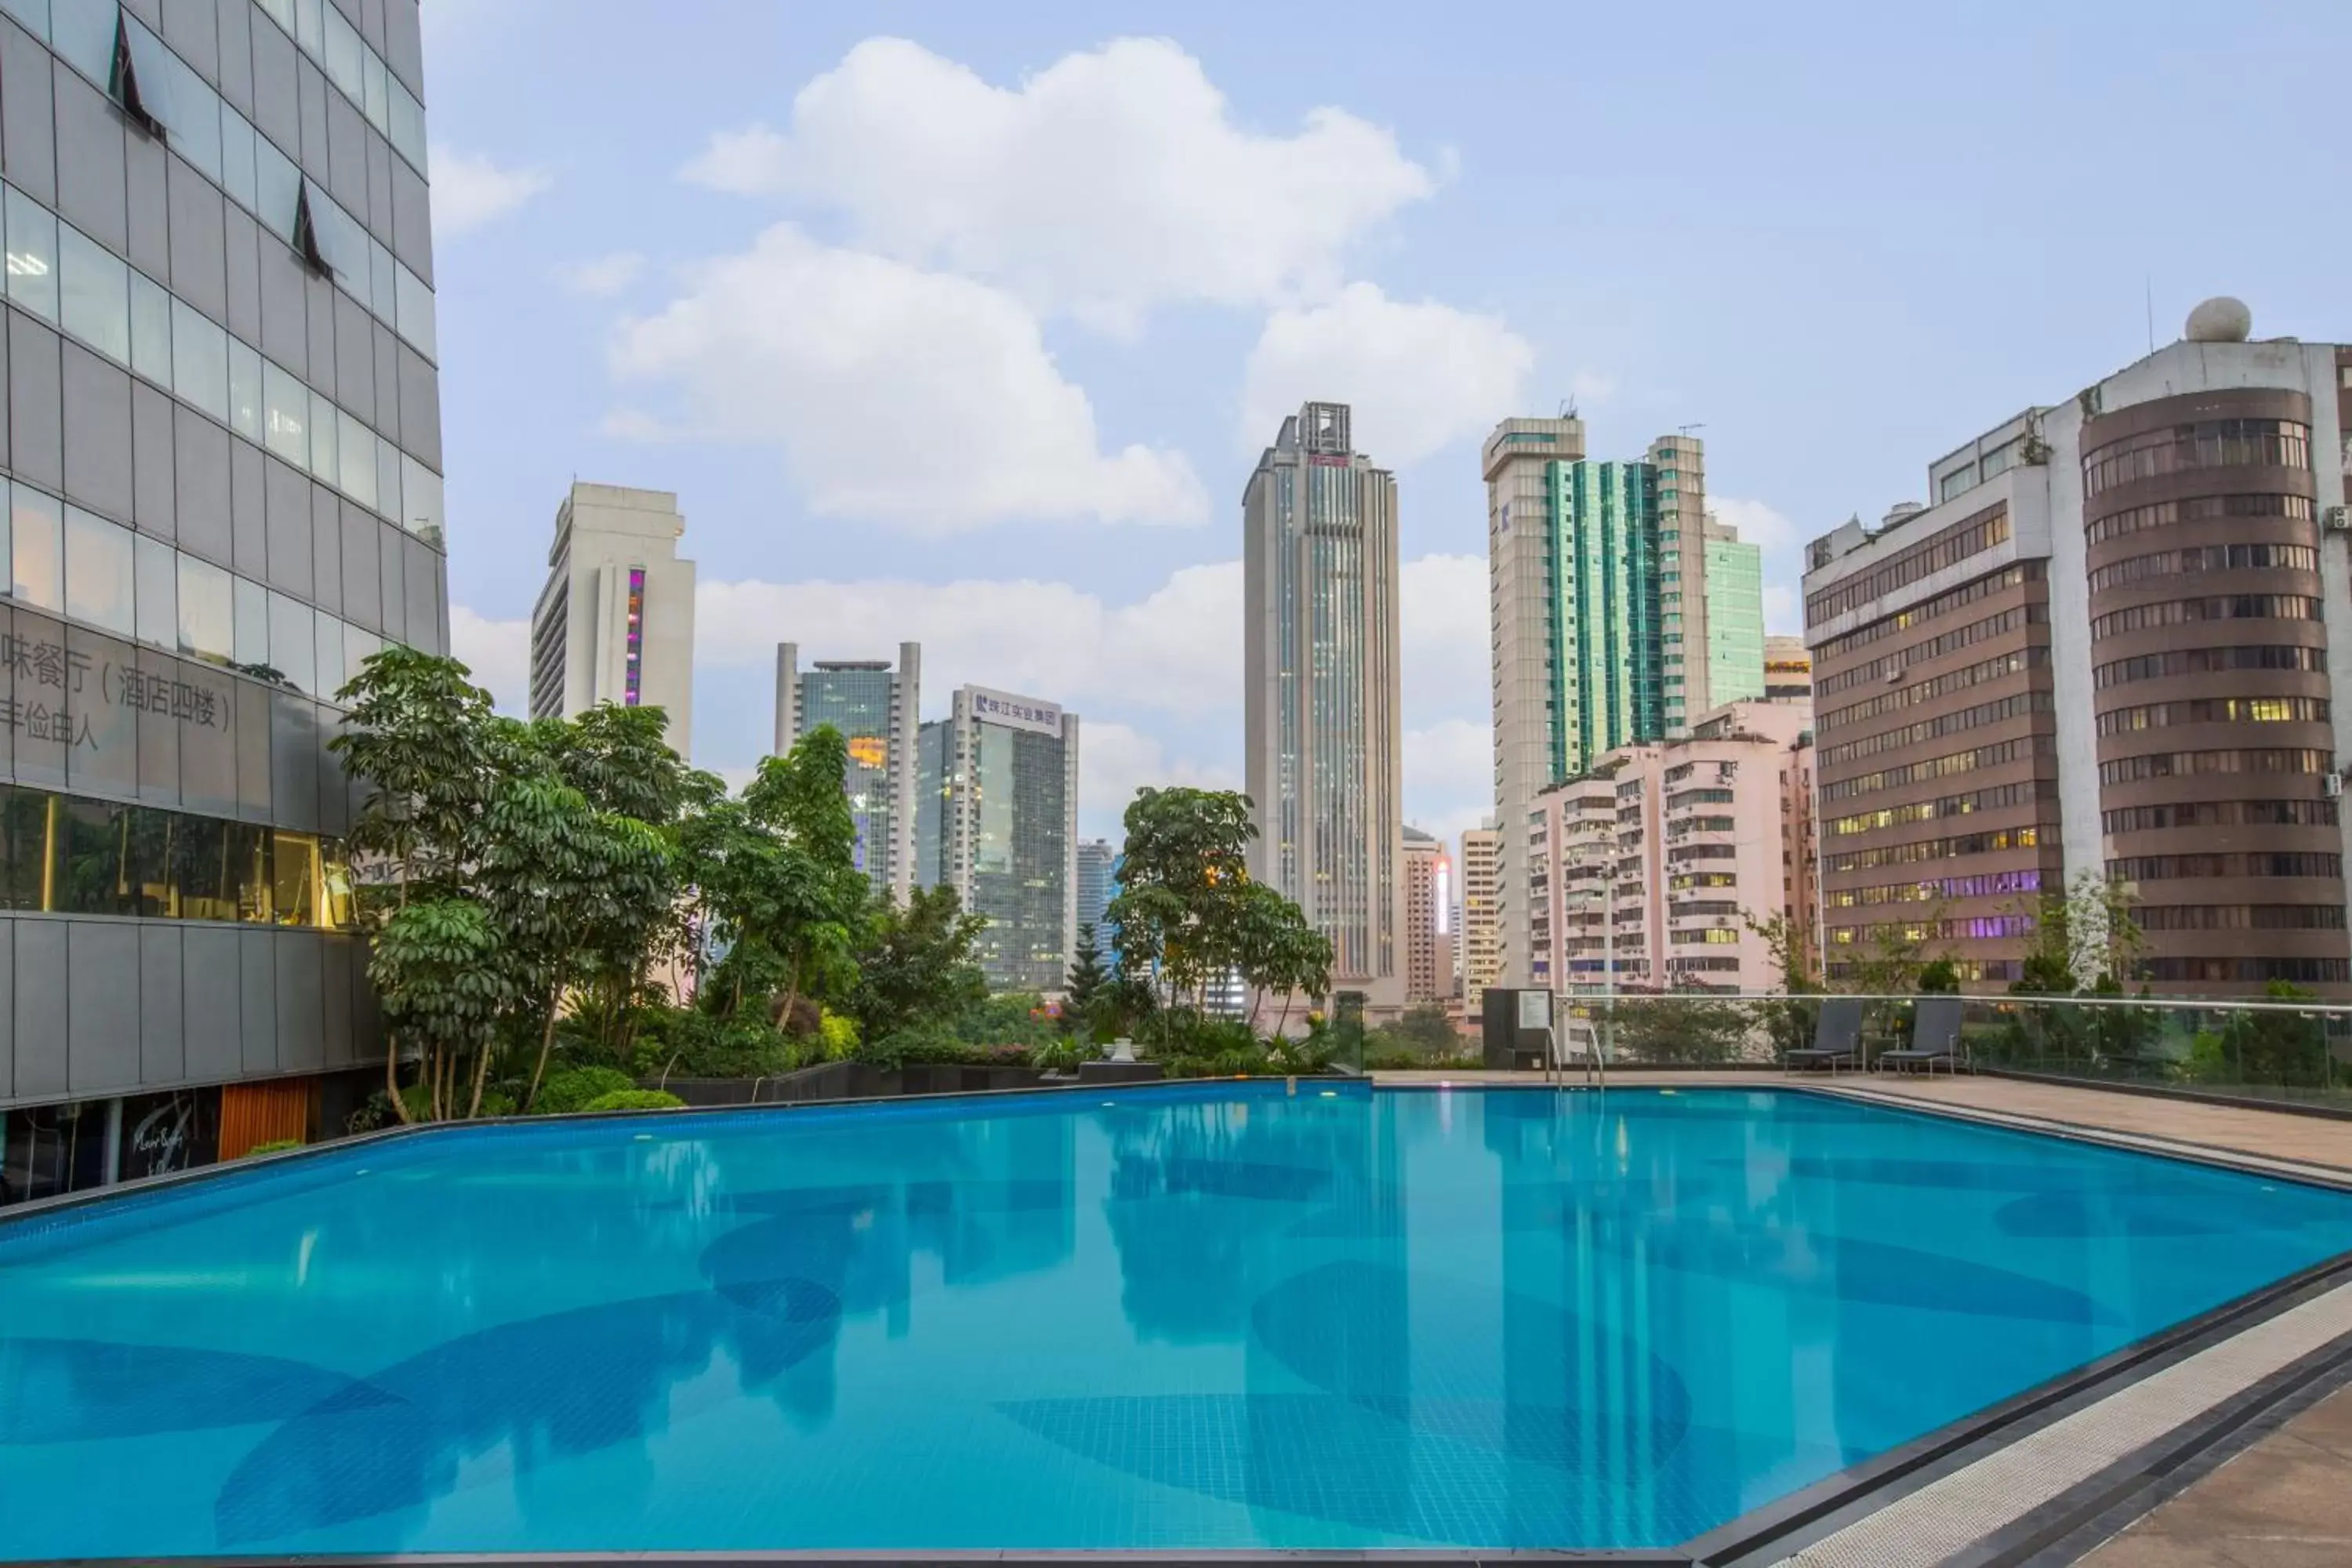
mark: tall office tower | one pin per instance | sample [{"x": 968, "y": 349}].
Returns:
[
  {"x": 996, "y": 818},
  {"x": 222, "y": 479},
  {"x": 877, "y": 709},
  {"x": 1733, "y": 591},
  {"x": 1325, "y": 759},
  {"x": 1425, "y": 915},
  {"x": 1787, "y": 670},
  {"x": 1610, "y": 626},
  {"x": 1482, "y": 931},
  {"x": 1097, "y": 885},
  {"x": 615, "y": 621},
  {"x": 2103, "y": 652}
]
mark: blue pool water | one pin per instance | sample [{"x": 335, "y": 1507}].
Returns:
[{"x": 1217, "y": 1316}]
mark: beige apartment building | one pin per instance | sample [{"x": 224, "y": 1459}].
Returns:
[
  {"x": 1482, "y": 932},
  {"x": 1425, "y": 896},
  {"x": 1647, "y": 870}
]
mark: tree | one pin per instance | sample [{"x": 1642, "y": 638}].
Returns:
[
  {"x": 435, "y": 963},
  {"x": 1939, "y": 977},
  {"x": 1429, "y": 1029},
  {"x": 1788, "y": 1018},
  {"x": 1276, "y": 949},
  {"x": 915, "y": 963},
  {"x": 422, "y": 736},
  {"x": 1088, "y": 982},
  {"x": 1679, "y": 1027},
  {"x": 1181, "y": 877}
]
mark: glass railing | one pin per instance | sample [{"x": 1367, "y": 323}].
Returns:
[{"x": 2250, "y": 1048}]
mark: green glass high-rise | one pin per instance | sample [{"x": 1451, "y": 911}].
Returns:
[
  {"x": 1735, "y": 619},
  {"x": 1608, "y": 677}
]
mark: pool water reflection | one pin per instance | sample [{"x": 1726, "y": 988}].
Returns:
[{"x": 1202, "y": 1318}]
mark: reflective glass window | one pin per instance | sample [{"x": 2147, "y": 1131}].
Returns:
[
  {"x": 31, "y": 256},
  {"x": 341, "y": 55},
  {"x": 208, "y": 617},
  {"x": 327, "y": 658},
  {"x": 33, "y": 15},
  {"x": 284, "y": 415},
  {"x": 383, "y": 282},
  {"x": 420, "y": 500},
  {"x": 252, "y": 605},
  {"x": 295, "y": 881},
  {"x": 36, "y": 547},
  {"x": 199, "y": 360},
  {"x": 416, "y": 312},
  {"x": 97, "y": 572},
  {"x": 325, "y": 443},
  {"x": 291, "y": 652},
  {"x": 376, "y": 100},
  {"x": 277, "y": 189},
  {"x": 245, "y": 390},
  {"x": 357, "y": 461},
  {"x": 158, "y": 568},
  {"x": 95, "y": 294},
  {"x": 151, "y": 331},
  {"x": 310, "y": 24},
  {"x": 237, "y": 158},
  {"x": 359, "y": 646},
  {"x": 281, "y": 12},
  {"x": 407, "y": 132},
  {"x": 387, "y": 478},
  {"x": 82, "y": 31}
]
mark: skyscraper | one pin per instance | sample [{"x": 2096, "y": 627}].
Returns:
[
  {"x": 1324, "y": 762},
  {"x": 222, "y": 477},
  {"x": 1097, "y": 885},
  {"x": 615, "y": 620},
  {"x": 877, "y": 710},
  {"x": 997, "y": 819},
  {"x": 1610, "y": 626},
  {"x": 1425, "y": 915}
]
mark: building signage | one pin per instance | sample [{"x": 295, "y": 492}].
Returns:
[
  {"x": 51, "y": 688},
  {"x": 1016, "y": 713}
]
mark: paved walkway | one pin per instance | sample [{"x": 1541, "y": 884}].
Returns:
[{"x": 2286, "y": 1501}]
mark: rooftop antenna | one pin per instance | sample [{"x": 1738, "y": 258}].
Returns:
[
  {"x": 1567, "y": 407},
  {"x": 2151, "y": 311},
  {"x": 1686, "y": 429}
]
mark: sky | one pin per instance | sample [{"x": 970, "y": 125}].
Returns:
[{"x": 966, "y": 324}]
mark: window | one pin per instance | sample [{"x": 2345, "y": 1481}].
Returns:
[
  {"x": 416, "y": 314},
  {"x": 277, "y": 189},
  {"x": 341, "y": 55},
  {"x": 292, "y": 652},
  {"x": 158, "y": 573},
  {"x": 1970, "y": 536},
  {"x": 356, "y": 460},
  {"x": 1927, "y": 610},
  {"x": 95, "y": 294},
  {"x": 2181, "y": 764},
  {"x": 207, "y": 621},
  {"x": 199, "y": 360},
  {"x": 326, "y": 442},
  {"x": 2207, "y": 557},
  {"x": 2183, "y": 612},
  {"x": 2196, "y": 509},
  {"x": 151, "y": 331},
  {"x": 2206, "y": 660},
  {"x": 1959, "y": 481},
  {"x": 327, "y": 657},
  {"x": 2171, "y": 868},
  {"x": 245, "y": 396},
  {"x": 2215, "y": 711},
  {"x": 251, "y": 603},
  {"x": 420, "y": 497},
  {"x": 98, "y": 582},
  {"x": 31, "y": 256},
  {"x": 2206, "y": 444},
  {"x": 37, "y": 533},
  {"x": 238, "y": 153},
  {"x": 284, "y": 415}
]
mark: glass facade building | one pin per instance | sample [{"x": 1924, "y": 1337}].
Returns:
[
  {"x": 219, "y": 492},
  {"x": 876, "y": 710},
  {"x": 998, "y": 785},
  {"x": 1609, "y": 682},
  {"x": 1734, "y": 621}
]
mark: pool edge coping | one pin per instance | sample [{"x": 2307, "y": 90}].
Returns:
[{"x": 1768, "y": 1533}]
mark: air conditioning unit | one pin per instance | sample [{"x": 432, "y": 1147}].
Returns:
[
  {"x": 2335, "y": 521},
  {"x": 2331, "y": 784}
]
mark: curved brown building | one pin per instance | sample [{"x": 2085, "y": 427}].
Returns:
[{"x": 2211, "y": 694}]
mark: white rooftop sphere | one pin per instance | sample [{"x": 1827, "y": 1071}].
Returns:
[{"x": 2220, "y": 320}]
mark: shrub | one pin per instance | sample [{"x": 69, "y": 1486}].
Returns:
[
  {"x": 274, "y": 1146},
  {"x": 1063, "y": 1055},
  {"x": 634, "y": 1100},
  {"x": 574, "y": 1088}
]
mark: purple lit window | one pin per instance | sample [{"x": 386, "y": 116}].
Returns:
[{"x": 635, "y": 667}]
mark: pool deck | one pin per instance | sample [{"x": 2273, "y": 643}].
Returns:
[{"x": 2274, "y": 1497}]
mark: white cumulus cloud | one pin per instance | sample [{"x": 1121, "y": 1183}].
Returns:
[
  {"x": 1784, "y": 616},
  {"x": 1177, "y": 648},
  {"x": 602, "y": 277},
  {"x": 1420, "y": 376},
  {"x": 912, "y": 398},
  {"x": 1113, "y": 180},
  {"x": 1758, "y": 522},
  {"x": 1449, "y": 775},
  {"x": 1443, "y": 626},
  {"x": 469, "y": 191},
  {"x": 498, "y": 652},
  {"x": 1116, "y": 760}
]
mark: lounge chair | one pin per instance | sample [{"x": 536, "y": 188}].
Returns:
[
  {"x": 1935, "y": 1038},
  {"x": 1837, "y": 1037}
]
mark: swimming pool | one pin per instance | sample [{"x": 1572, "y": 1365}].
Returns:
[{"x": 1211, "y": 1316}]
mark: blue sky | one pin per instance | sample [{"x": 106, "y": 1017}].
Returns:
[{"x": 965, "y": 323}]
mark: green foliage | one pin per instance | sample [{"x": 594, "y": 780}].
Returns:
[
  {"x": 837, "y": 1037},
  {"x": 274, "y": 1146},
  {"x": 915, "y": 961},
  {"x": 1064, "y": 1054},
  {"x": 1088, "y": 985},
  {"x": 634, "y": 1100},
  {"x": 437, "y": 968},
  {"x": 1939, "y": 977},
  {"x": 574, "y": 1088},
  {"x": 1007, "y": 1018},
  {"x": 1424, "y": 1033},
  {"x": 1679, "y": 1028},
  {"x": 2266, "y": 1047}
]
